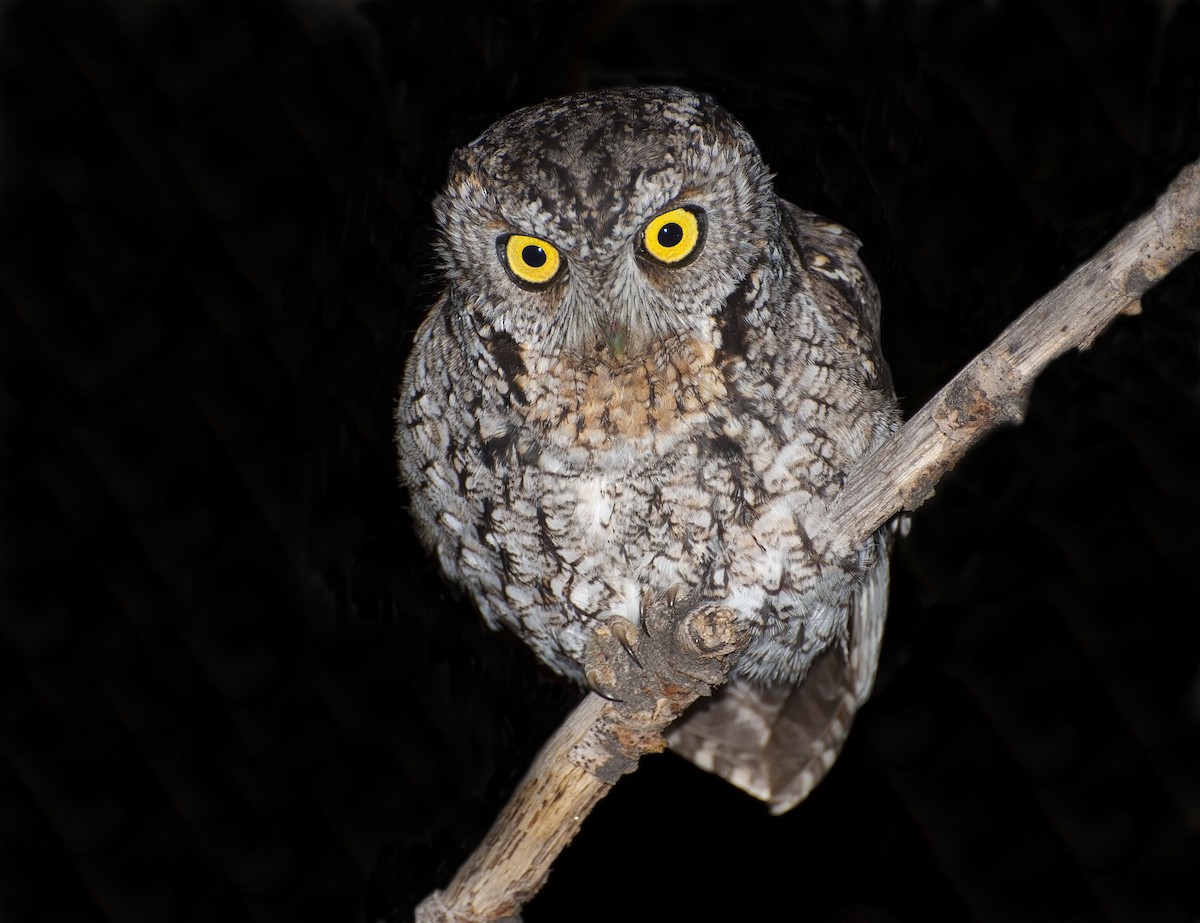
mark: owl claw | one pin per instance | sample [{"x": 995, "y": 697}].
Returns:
[
  {"x": 623, "y": 631},
  {"x": 595, "y": 684},
  {"x": 613, "y": 668},
  {"x": 688, "y": 647}
]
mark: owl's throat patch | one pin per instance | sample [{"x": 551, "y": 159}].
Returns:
[{"x": 662, "y": 389}]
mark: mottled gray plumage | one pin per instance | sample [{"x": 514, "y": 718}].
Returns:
[{"x": 643, "y": 389}]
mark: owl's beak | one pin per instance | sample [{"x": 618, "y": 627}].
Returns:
[{"x": 617, "y": 337}]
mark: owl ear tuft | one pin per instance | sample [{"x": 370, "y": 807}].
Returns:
[{"x": 463, "y": 163}]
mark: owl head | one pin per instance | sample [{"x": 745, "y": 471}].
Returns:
[{"x": 595, "y": 225}]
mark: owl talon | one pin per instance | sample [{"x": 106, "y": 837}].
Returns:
[
  {"x": 624, "y": 632},
  {"x": 594, "y": 683},
  {"x": 613, "y": 667},
  {"x": 682, "y": 642}
]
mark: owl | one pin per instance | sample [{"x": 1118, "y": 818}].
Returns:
[{"x": 644, "y": 367}]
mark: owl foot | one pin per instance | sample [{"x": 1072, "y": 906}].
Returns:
[
  {"x": 680, "y": 644},
  {"x": 611, "y": 664}
]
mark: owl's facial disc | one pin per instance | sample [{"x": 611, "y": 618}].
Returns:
[{"x": 635, "y": 271}]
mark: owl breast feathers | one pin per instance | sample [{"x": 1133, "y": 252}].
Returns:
[{"x": 642, "y": 370}]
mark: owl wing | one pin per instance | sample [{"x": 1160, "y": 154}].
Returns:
[
  {"x": 840, "y": 283},
  {"x": 777, "y": 742}
]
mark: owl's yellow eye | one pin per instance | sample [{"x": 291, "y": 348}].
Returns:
[
  {"x": 675, "y": 236},
  {"x": 530, "y": 259}
]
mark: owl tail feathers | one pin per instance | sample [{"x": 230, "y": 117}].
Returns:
[{"x": 775, "y": 742}]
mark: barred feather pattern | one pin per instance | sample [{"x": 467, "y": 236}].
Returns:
[{"x": 616, "y": 420}]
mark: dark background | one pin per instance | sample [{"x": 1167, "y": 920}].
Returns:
[{"x": 231, "y": 686}]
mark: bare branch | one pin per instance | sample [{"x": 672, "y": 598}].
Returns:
[
  {"x": 599, "y": 742},
  {"x": 994, "y": 387},
  {"x": 602, "y": 740}
]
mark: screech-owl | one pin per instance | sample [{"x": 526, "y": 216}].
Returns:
[{"x": 643, "y": 366}]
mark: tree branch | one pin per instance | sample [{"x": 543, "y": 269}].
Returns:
[
  {"x": 602, "y": 740},
  {"x": 994, "y": 387},
  {"x": 599, "y": 742}
]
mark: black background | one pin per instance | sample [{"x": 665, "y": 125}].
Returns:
[{"x": 231, "y": 686}]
